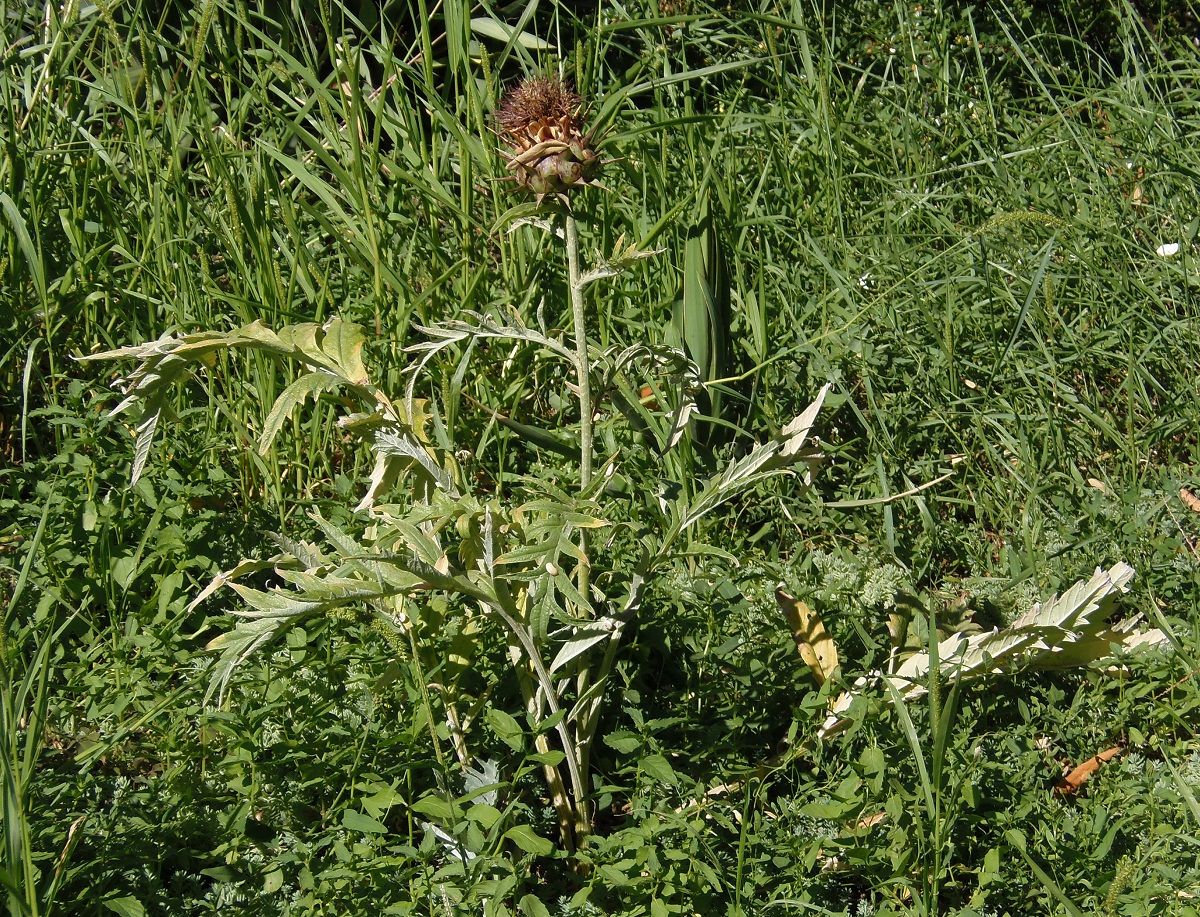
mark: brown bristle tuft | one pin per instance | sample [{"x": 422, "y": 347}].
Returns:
[{"x": 536, "y": 100}]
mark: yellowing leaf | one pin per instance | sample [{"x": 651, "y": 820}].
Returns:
[
  {"x": 817, "y": 648},
  {"x": 343, "y": 343}
]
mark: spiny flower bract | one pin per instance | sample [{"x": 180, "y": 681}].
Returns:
[{"x": 550, "y": 153}]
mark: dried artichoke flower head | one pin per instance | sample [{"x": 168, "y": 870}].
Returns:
[{"x": 540, "y": 120}]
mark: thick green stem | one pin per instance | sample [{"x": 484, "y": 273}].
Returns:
[
  {"x": 581, "y": 352},
  {"x": 521, "y": 643},
  {"x": 583, "y": 367},
  {"x": 584, "y": 380},
  {"x": 589, "y": 718}
]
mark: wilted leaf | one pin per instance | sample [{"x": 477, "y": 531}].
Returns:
[
  {"x": 1190, "y": 500},
  {"x": 342, "y": 344},
  {"x": 817, "y": 648},
  {"x": 870, "y": 821},
  {"x": 172, "y": 359},
  {"x": 309, "y": 384},
  {"x": 1074, "y": 781}
]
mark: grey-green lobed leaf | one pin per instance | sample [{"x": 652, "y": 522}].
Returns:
[
  {"x": 310, "y": 384},
  {"x": 1067, "y": 630}
]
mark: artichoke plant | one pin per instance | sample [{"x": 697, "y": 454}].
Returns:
[{"x": 540, "y": 118}]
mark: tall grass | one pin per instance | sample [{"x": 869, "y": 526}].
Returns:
[{"x": 953, "y": 214}]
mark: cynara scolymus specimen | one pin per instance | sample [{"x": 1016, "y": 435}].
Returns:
[
  {"x": 533, "y": 568},
  {"x": 540, "y": 119}
]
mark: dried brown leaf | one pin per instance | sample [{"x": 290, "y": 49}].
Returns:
[
  {"x": 1190, "y": 500},
  {"x": 870, "y": 821},
  {"x": 1074, "y": 781}
]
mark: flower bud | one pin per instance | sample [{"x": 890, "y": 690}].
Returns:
[{"x": 549, "y": 153}]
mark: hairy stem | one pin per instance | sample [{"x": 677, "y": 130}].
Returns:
[
  {"x": 581, "y": 351},
  {"x": 584, "y": 380},
  {"x": 574, "y": 809},
  {"x": 589, "y": 718},
  {"x": 583, "y": 736},
  {"x": 566, "y": 809}
]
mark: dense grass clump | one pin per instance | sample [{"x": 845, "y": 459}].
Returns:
[{"x": 978, "y": 225}]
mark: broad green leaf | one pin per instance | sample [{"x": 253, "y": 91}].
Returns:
[
  {"x": 124, "y": 570},
  {"x": 256, "y": 333},
  {"x": 624, "y": 743},
  {"x": 354, "y": 820},
  {"x": 658, "y": 768},
  {"x": 827, "y": 811},
  {"x": 507, "y": 729},
  {"x": 435, "y": 807},
  {"x": 701, "y": 318},
  {"x": 531, "y": 906},
  {"x": 303, "y": 339},
  {"x": 529, "y": 841},
  {"x": 381, "y": 801},
  {"x": 125, "y": 906},
  {"x": 484, "y": 815},
  {"x": 343, "y": 344}
]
